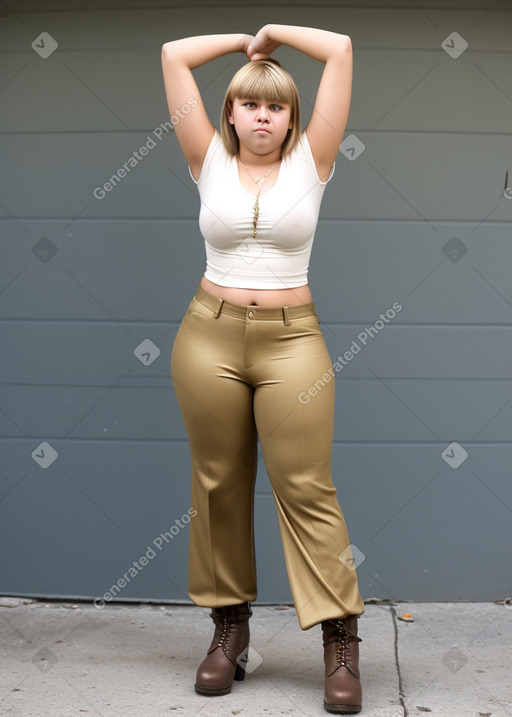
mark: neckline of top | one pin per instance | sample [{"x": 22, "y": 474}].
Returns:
[{"x": 252, "y": 194}]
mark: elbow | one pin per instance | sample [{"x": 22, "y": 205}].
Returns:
[
  {"x": 341, "y": 49},
  {"x": 169, "y": 51},
  {"x": 345, "y": 44},
  {"x": 165, "y": 52}
]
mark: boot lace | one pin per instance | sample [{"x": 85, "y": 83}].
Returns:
[
  {"x": 343, "y": 642},
  {"x": 226, "y": 634}
]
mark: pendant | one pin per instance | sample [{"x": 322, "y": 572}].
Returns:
[{"x": 255, "y": 217}]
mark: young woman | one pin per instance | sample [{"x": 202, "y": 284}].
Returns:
[{"x": 250, "y": 346}]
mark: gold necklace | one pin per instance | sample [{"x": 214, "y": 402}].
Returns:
[
  {"x": 256, "y": 180},
  {"x": 257, "y": 202}
]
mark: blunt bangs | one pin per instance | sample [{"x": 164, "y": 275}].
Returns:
[{"x": 263, "y": 81}]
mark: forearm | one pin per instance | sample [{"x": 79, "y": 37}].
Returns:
[
  {"x": 318, "y": 44},
  {"x": 196, "y": 51}
]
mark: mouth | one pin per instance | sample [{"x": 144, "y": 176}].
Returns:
[{"x": 262, "y": 129}]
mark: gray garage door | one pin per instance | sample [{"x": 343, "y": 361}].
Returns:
[{"x": 410, "y": 275}]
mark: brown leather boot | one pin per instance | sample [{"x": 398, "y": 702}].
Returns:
[
  {"x": 227, "y": 655},
  {"x": 343, "y": 694}
]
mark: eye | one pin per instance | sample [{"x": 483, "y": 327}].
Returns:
[
  {"x": 275, "y": 108},
  {"x": 249, "y": 104}
]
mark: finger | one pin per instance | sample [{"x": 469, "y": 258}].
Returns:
[{"x": 255, "y": 45}]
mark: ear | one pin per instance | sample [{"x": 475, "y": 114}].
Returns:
[{"x": 229, "y": 112}]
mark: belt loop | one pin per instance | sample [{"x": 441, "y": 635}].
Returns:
[
  {"x": 286, "y": 318},
  {"x": 218, "y": 309}
]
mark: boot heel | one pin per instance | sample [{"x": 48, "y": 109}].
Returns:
[{"x": 241, "y": 662}]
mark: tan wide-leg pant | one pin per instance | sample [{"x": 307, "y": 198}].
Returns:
[{"x": 238, "y": 373}]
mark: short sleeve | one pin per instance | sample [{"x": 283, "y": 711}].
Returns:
[
  {"x": 311, "y": 160},
  {"x": 210, "y": 153}
]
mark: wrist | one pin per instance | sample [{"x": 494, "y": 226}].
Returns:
[{"x": 243, "y": 41}]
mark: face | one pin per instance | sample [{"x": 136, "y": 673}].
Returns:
[{"x": 261, "y": 125}]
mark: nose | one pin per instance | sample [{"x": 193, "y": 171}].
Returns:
[{"x": 263, "y": 113}]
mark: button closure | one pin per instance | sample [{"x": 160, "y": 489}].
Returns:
[{"x": 251, "y": 314}]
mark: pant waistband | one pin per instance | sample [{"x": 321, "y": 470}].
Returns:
[{"x": 257, "y": 313}]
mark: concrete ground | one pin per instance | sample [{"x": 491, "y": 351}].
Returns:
[{"x": 64, "y": 659}]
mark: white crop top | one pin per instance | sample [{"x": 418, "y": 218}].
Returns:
[{"x": 278, "y": 258}]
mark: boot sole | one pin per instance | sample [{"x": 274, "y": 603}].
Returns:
[
  {"x": 212, "y": 691},
  {"x": 342, "y": 709}
]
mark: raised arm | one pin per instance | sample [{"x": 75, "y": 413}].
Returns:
[
  {"x": 194, "y": 129},
  {"x": 330, "y": 113}
]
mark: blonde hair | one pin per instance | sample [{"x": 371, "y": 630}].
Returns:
[{"x": 266, "y": 80}]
